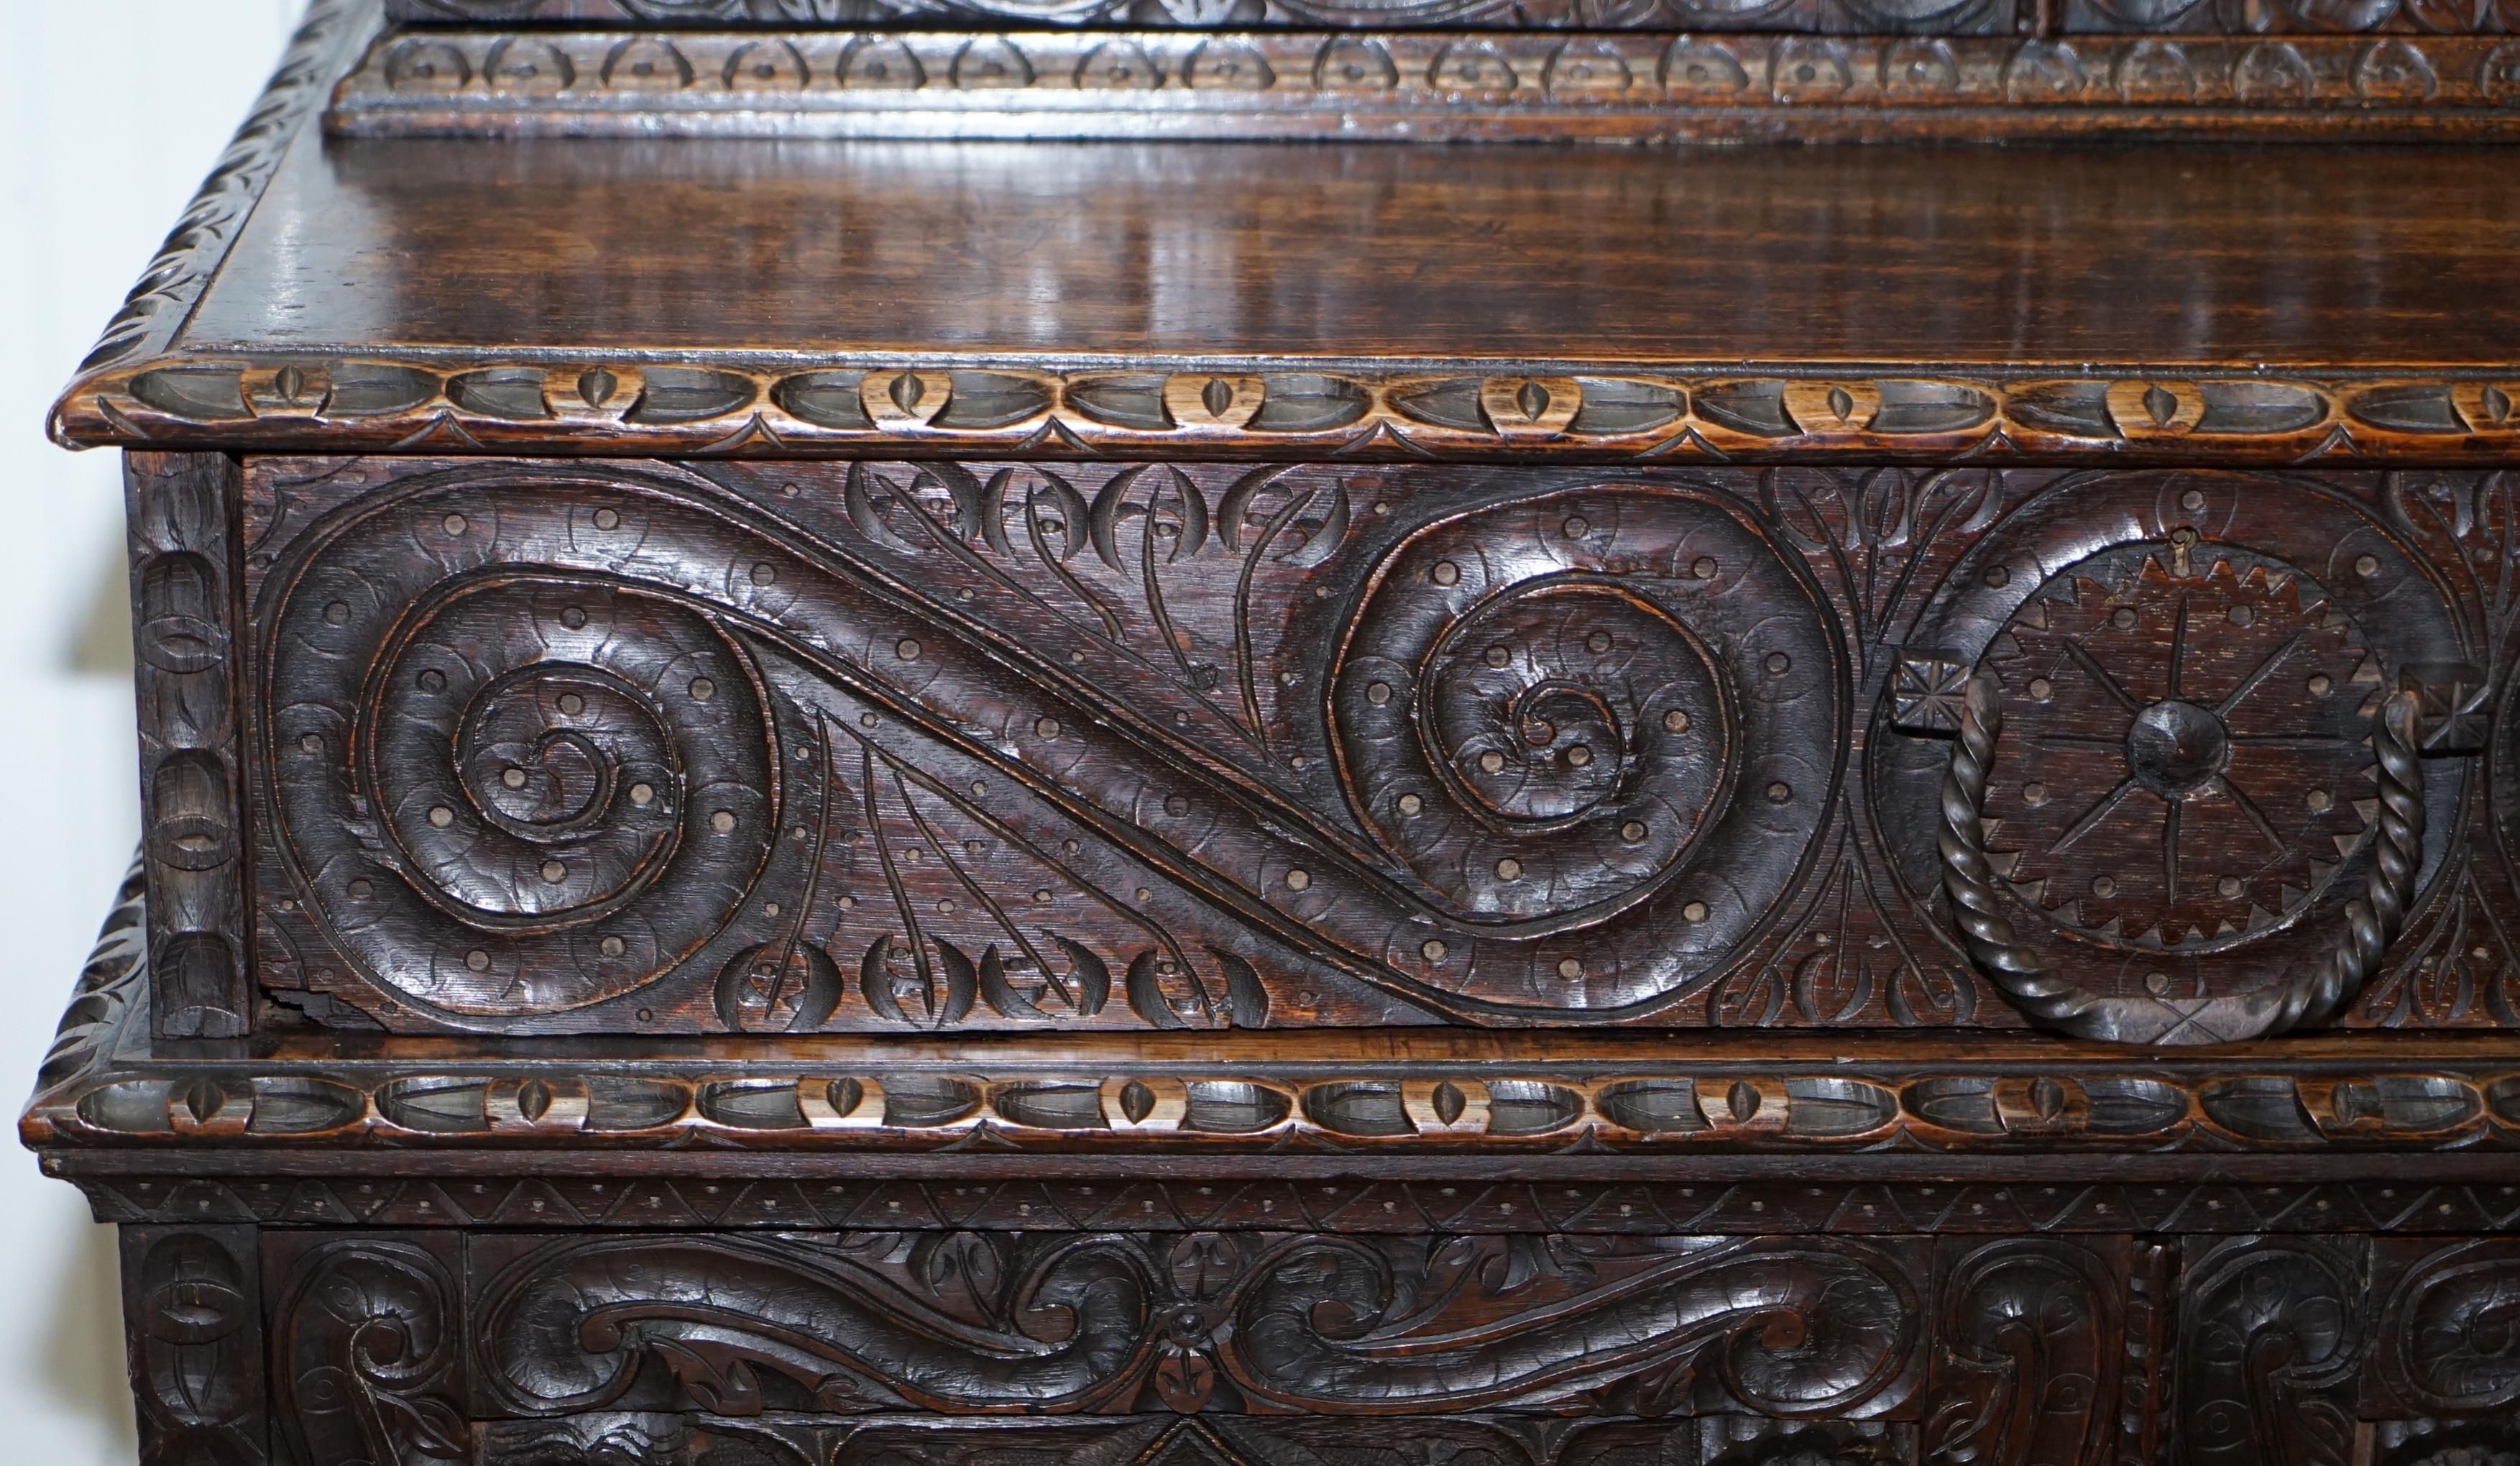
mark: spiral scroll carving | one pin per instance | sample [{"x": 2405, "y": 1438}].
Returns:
[
  {"x": 567, "y": 1328},
  {"x": 1555, "y": 710},
  {"x": 530, "y": 792},
  {"x": 366, "y": 1352}
]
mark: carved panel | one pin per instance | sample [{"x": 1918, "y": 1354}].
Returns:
[
  {"x": 2190, "y": 789},
  {"x": 2031, "y": 1336},
  {"x": 2271, "y": 1340},
  {"x": 921, "y": 746},
  {"x": 2446, "y": 1330},
  {"x": 192, "y": 1301},
  {"x": 644, "y": 752},
  {"x": 962, "y": 1322},
  {"x": 181, "y": 513},
  {"x": 628, "y": 1438},
  {"x": 366, "y": 1348}
]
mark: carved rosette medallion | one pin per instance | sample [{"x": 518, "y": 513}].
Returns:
[
  {"x": 2184, "y": 804},
  {"x": 2185, "y": 749}
]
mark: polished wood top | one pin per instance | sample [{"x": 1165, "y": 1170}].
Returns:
[
  {"x": 2227, "y": 255},
  {"x": 2176, "y": 302},
  {"x": 2181, "y": 302}
]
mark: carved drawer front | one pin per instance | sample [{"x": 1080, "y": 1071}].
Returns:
[
  {"x": 900, "y": 747},
  {"x": 821, "y": 1347},
  {"x": 1257, "y": 1348}
]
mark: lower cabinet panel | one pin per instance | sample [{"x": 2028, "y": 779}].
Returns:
[
  {"x": 831, "y": 1348},
  {"x": 633, "y": 1440}
]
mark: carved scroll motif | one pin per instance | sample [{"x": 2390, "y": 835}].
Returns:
[
  {"x": 969, "y": 1322},
  {"x": 1022, "y": 750},
  {"x": 2032, "y": 1335},
  {"x": 2271, "y": 1342},
  {"x": 366, "y": 1355},
  {"x": 2447, "y": 1338}
]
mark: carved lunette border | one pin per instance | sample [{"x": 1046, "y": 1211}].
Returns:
[
  {"x": 740, "y": 407},
  {"x": 323, "y": 48},
  {"x": 1950, "y": 17},
  {"x": 2073, "y": 17},
  {"x": 1420, "y": 85},
  {"x": 1226, "y": 1094}
]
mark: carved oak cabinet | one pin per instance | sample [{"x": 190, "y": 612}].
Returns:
[{"x": 961, "y": 733}]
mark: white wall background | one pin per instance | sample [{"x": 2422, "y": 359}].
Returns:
[{"x": 116, "y": 111}]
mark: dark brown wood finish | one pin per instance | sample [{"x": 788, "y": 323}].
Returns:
[
  {"x": 2203, "y": 257},
  {"x": 2340, "y": 285},
  {"x": 184, "y": 611},
  {"x": 880, "y": 803},
  {"x": 658, "y": 749}
]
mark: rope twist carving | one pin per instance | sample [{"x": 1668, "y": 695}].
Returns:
[{"x": 2371, "y": 922}]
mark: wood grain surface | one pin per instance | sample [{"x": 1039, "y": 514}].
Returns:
[{"x": 2200, "y": 255}]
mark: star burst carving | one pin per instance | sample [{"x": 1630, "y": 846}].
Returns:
[{"x": 2185, "y": 757}]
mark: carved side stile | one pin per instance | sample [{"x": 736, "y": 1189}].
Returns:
[{"x": 185, "y": 561}]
